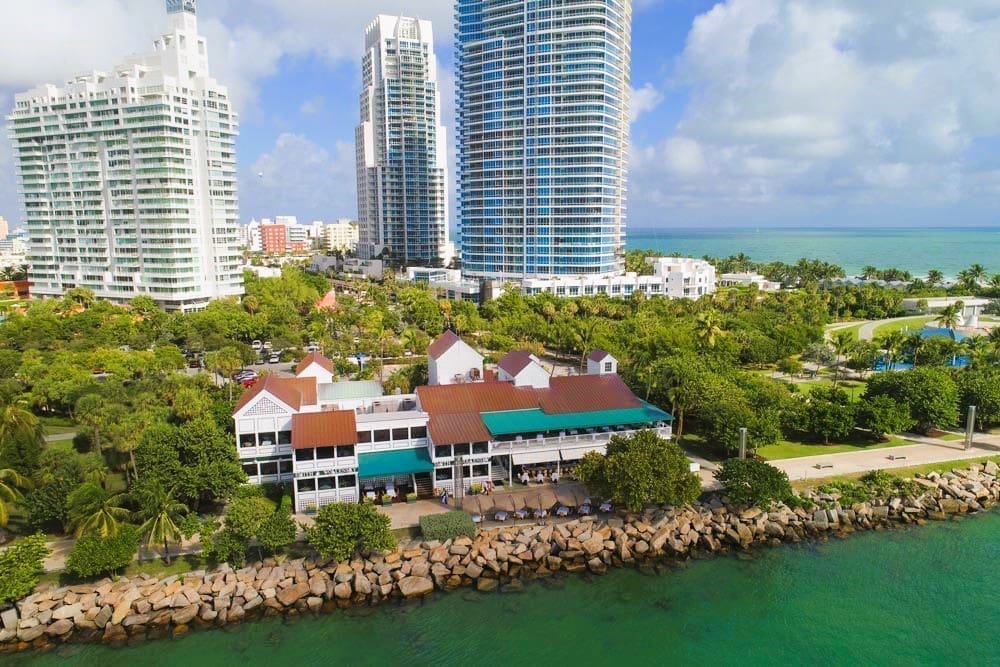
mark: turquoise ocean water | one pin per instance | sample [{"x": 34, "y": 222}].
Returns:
[
  {"x": 926, "y": 596},
  {"x": 914, "y": 250}
]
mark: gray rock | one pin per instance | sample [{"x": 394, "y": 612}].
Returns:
[
  {"x": 8, "y": 619},
  {"x": 59, "y": 628},
  {"x": 412, "y": 587},
  {"x": 185, "y": 615},
  {"x": 67, "y": 611}
]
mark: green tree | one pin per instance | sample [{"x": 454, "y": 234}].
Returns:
[
  {"x": 708, "y": 329},
  {"x": 753, "y": 482},
  {"x": 830, "y": 415},
  {"x": 883, "y": 415},
  {"x": 344, "y": 529},
  {"x": 94, "y": 554},
  {"x": 981, "y": 388},
  {"x": 842, "y": 341},
  {"x": 93, "y": 510},
  {"x": 276, "y": 532},
  {"x": 11, "y": 483},
  {"x": 930, "y": 394},
  {"x": 640, "y": 469},
  {"x": 15, "y": 420},
  {"x": 21, "y": 567},
  {"x": 790, "y": 367},
  {"x": 160, "y": 511}
]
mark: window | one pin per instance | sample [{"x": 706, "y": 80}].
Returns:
[
  {"x": 400, "y": 434},
  {"x": 305, "y": 454},
  {"x": 269, "y": 468},
  {"x": 442, "y": 451},
  {"x": 480, "y": 448},
  {"x": 481, "y": 470},
  {"x": 462, "y": 450},
  {"x": 382, "y": 435},
  {"x": 267, "y": 439},
  {"x": 327, "y": 483},
  {"x": 284, "y": 437},
  {"x": 442, "y": 474},
  {"x": 346, "y": 482},
  {"x": 608, "y": 366},
  {"x": 418, "y": 432},
  {"x": 305, "y": 485},
  {"x": 250, "y": 469},
  {"x": 248, "y": 441},
  {"x": 326, "y": 452},
  {"x": 345, "y": 451},
  {"x": 285, "y": 465},
  {"x": 364, "y": 436}
]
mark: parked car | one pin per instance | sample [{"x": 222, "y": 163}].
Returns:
[
  {"x": 274, "y": 358},
  {"x": 267, "y": 345},
  {"x": 248, "y": 382},
  {"x": 194, "y": 363},
  {"x": 256, "y": 345}
]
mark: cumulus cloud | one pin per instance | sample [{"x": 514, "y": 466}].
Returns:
[
  {"x": 644, "y": 100},
  {"x": 313, "y": 105},
  {"x": 297, "y": 176},
  {"x": 839, "y": 101}
]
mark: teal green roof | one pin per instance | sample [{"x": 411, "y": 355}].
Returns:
[
  {"x": 353, "y": 389},
  {"x": 511, "y": 422},
  {"x": 398, "y": 462}
]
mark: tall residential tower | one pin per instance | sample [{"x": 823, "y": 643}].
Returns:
[
  {"x": 402, "y": 160},
  {"x": 543, "y": 95},
  {"x": 129, "y": 177}
]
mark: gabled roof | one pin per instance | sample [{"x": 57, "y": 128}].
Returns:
[
  {"x": 315, "y": 358},
  {"x": 584, "y": 393},
  {"x": 515, "y": 361},
  {"x": 598, "y": 355},
  {"x": 328, "y": 302},
  {"x": 324, "y": 429},
  {"x": 442, "y": 344},
  {"x": 474, "y": 398},
  {"x": 293, "y": 392}
]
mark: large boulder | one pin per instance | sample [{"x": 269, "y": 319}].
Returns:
[
  {"x": 185, "y": 615},
  {"x": 293, "y": 594},
  {"x": 412, "y": 587}
]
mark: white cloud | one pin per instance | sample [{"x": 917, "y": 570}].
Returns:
[
  {"x": 830, "y": 101},
  {"x": 300, "y": 177},
  {"x": 313, "y": 105},
  {"x": 644, "y": 100}
]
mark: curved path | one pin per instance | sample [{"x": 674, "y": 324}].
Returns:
[{"x": 867, "y": 330}]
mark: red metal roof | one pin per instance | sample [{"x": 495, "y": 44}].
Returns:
[
  {"x": 442, "y": 344},
  {"x": 598, "y": 355},
  {"x": 450, "y": 399},
  {"x": 315, "y": 358},
  {"x": 586, "y": 393},
  {"x": 294, "y": 392},
  {"x": 328, "y": 302},
  {"x": 324, "y": 429},
  {"x": 457, "y": 429},
  {"x": 515, "y": 361}
]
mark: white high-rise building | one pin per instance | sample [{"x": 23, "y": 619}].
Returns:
[
  {"x": 542, "y": 94},
  {"x": 401, "y": 154},
  {"x": 4, "y": 228},
  {"x": 129, "y": 177}
]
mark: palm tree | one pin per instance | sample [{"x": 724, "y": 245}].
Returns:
[
  {"x": 17, "y": 420},
  {"x": 949, "y": 315},
  {"x": 10, "y": 483},
  {"x": 915, "y": 344},
  {"x": 708, "y": 328},
  {"x": 843, "y": 341},
  {"x": 891, "y": 343},
  {"x": 105, "y": 518},
  {"x": 995, "y": 281},
  {"x": 869, "y": 273},
  {"x": 160, "y": 512},
  {"x": 934, "y": 278},
  {"x": 978, "y": 273}
]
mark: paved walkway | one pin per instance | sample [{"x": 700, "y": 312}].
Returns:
[{"x": 867, "y": 331}]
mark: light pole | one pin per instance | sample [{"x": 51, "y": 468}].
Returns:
[
  {"x": 970, "y": 424},
  {"x": 743, "y": 442}
]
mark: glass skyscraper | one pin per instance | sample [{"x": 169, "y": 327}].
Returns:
[
  {"x": 543, "y": 94},
  {"x": 402, "y": 161}
]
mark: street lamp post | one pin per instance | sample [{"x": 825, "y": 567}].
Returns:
[{"x": 970, "y": 425}]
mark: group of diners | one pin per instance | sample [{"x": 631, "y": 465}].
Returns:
[{"x": 529, "y": 476}]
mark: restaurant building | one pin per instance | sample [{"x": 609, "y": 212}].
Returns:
[{"x": 342, "y": 441}]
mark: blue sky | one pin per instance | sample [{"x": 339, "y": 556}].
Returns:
[{"x": 748, "y": 112}]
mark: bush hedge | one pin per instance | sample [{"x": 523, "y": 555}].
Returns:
[
  {"x": 93, "y": 555},
  {"x": 447, "y": 526}
]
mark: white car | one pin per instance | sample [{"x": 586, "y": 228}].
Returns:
[{"x": 256, "y": 345}]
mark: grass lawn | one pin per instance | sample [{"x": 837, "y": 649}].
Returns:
[
  {"x": 406, "y": 534},
  {"x": 951, "y": 437},
  {"x": 54, "y": 425},
  {"x": 696, "y": 445},
  {"x": 794, "y": 450},
  {"x": 156, "y": 568},
  {"x": 853, "y": 329},
  {"x": 943, "y": 466},
  {"x": 911, "y": 323}
]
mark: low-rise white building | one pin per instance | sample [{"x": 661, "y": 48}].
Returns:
[
  {"x": 343, "y": 441},
  {"x": 747, "y": 279},
  {"x": 340, "y": 236},
  {"x": 674, "y": 278}
]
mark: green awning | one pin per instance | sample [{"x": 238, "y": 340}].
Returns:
[
  {"x": 511, "y": 422},
  {"x": 398, "y": 462}
]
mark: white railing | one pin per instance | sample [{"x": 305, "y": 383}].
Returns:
[
  {"x": 326, "y": 464},
  {"x": 569, "y": 440}
]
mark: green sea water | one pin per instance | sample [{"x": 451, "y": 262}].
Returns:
[
  {"x": 914, "y": 250},
  {"x": 926, "y": 596}
]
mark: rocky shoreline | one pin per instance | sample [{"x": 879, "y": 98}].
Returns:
[{"x": 142, "y": 608}]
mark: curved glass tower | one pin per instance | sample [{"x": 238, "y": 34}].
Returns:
[{"x": 543, "y": 93}]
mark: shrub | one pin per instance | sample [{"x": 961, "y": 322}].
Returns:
[
  {"x": 752, "y": 482},
  {"x": 276, "y": 532},
  {"x": 93, "y": 555},
  {"x": 447, "y": 526},
  {"x": 343, "y": 529},
  {"x": 20, "y": 567}
]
